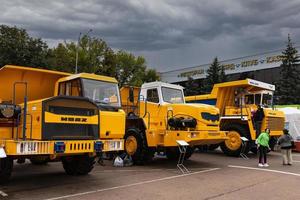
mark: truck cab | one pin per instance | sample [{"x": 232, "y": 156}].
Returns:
[
  {"x": 160, "y": 117},
  {"x": 104, "y": 92}
]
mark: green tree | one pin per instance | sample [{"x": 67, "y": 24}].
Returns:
[
  {"x": 193, "y": 87},
  {"x": 131, "y": 70},
  {"x": 18, "y": 48},
  {"x": 150, "y": 75},
  {"x": 289, "y": 82},
  {"x": 213, "y": 75},
  {"x": 94, "y": 56},
  {"x": 223, "y": 77}
]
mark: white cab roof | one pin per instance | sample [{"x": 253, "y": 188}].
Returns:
[
  {"x": 260, "y": 84},
  {"x": 157, "y": 84}
]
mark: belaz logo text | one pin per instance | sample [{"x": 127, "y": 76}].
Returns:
[{"x": 73, "y": 119}]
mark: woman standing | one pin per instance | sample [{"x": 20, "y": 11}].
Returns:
[
  {"x": 286, "y": 143},
  {"x": 263, "y": 147}
]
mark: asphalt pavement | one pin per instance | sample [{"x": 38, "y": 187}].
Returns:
[{"x": 213, "y": 176}]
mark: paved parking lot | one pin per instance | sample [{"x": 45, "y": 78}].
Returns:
[{"x": 213, "y": 176}]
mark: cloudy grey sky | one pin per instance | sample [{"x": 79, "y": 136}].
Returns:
[{"x": 171, "y": 34}]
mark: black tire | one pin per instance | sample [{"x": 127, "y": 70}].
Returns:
[
  {"x": 254, "y": 150},
  {"x": 39, "y": 160},
  {"x": 202, "y": 148},
  {"x": 6, "y": 167},
  {"x": 213, "y": 147},
  {"x": 143, "y": 153},
  {"x": 173, "y": 153},
  {"x": 78, "y": 165},
  {"x": 243, "y": 132}
]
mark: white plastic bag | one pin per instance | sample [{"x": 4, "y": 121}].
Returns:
[{"x": 118, "y": 162}]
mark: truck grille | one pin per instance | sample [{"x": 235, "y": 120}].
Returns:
[
  {"x": 275, "y": 123},
  {"x": 68, "y": 126}
]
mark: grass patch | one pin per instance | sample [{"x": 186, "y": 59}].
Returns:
[{"x": 292, "y": 106}]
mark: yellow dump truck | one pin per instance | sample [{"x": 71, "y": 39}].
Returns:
[
  {"x": 157, "y": 117},
  {"x": 238, "y": 101},
  {"x": 53, "y": 116}
]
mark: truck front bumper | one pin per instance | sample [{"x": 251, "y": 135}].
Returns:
[
  {"x": 194, "y": 137},
  {"x": 61, "y": 147}
]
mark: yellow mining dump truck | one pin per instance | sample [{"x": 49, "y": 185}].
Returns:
[
  {"x": 157, "y": 116},
  {"x": 238, "y": 101},
  {"x": 53, "y": 116}
]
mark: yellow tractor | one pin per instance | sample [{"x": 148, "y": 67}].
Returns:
[
  {"x": 238, "y": 101},
  {"x": 158, "y": 117},
  {"x": 53, "y": 116}
]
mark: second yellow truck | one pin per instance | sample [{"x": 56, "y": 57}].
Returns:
[{"x": 157, "y": 117}]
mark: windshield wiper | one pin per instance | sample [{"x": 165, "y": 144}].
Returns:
[{"x": 101, "y": 102}]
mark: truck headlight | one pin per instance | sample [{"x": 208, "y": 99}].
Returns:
[{"x": 7, "y": 111}]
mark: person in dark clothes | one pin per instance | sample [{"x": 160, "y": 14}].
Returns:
[
  {"x": 286, "y": 143},
  {"x": 258, "y": 117}
]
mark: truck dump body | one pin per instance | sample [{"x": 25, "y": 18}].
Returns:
[{"x": 40, "y": 82}]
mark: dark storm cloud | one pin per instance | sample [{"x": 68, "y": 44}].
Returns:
[{"x": 155, "y": 27}]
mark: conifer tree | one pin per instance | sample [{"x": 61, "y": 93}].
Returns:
[
  {"x": 223, "y": 77},
  {"x": 213, "y": 75},
  {"x": 288, "y": 87}
]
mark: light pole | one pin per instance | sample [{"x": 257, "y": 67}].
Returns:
[{"x": 77, "y": 49}]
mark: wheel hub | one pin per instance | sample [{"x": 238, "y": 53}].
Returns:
[
  {"x": 131, "y": 145},
  {"x": 234, "y": 142}
]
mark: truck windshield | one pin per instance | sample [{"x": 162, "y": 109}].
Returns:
[
  {"x": 172, "y": 95},
  {"x": 267, "y": 100},
  {"x": 101, "y": 92}
]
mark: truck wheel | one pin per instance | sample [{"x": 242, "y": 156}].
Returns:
[
  {"x": 213, "y": 147},
  {"x": 173, "y": 153},
  {"x": 232, "y": 146},
  {"x": 6, "y": 166},
  {"x": 78, "y": 165},
  {"x": 136, "y": 146},
  {"x": 39, "y": 160}
]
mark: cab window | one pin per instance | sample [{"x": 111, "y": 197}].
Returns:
[
  {"x": 257, "y": 99},
  {"x": 70, "y": 88},
  {"x": 152, "y": 95},
  {"x": 249, "y": 99}
]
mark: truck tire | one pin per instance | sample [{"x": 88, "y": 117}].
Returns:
[
  {"x": 6, "y": 167},
  {"x": 78, "y": 165},
  {"x": 213, "y": 147},
  {"x": 232, "y": 146},
  {"x": 39, "y": 160},
  {"x": 136, "y": 146},
  {"x": 173, "y": 153}
]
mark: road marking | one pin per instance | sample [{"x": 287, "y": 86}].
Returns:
[
  {"x": 133, "y": 184},
  {"x": 296, "y": 155},
  {"x": 147, "y": 170},
  {"x": 3, "y": 194},
  {"x": 296, "y": 161},
  {"x": 261, "y": 169}
]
